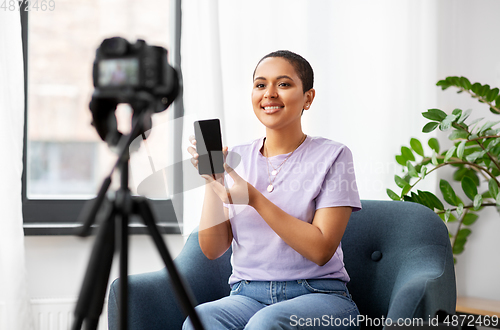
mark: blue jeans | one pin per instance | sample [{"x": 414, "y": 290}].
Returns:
[{"x": 302, "y": 304}]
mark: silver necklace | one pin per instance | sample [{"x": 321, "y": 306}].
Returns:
[{"x": 275, "y": 171}]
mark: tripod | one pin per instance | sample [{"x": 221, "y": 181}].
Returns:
[{"x": 114, "y": 217}]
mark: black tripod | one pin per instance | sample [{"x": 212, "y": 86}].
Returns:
[{"x": 114, "y": 214}]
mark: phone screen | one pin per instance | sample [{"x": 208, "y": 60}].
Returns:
[{"x": 209, "y": 146}]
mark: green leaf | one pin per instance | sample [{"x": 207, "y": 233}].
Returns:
[
  {"x": 448, "y": 193},
  {"x": 444, "y": 84},
  {"x": 418, "y": 199},
  {"x": 469, "y": 187},
  {"x": 393, "y": 195},
  {"x": 470, "y": 218},
  {"x": 434, "y": 159},
  {"x": 475, "y": 88},
  {"x": 433, "y": 199},
  {"x": 493, "y": 187},
  {"x": 483, "y": 91},
  {"x": 451, "y": 217},
  {"x": 457, "y": 113},
  {"x": 497, "y": 200},
  {"x": 478, "y": 201},
  {"x": 447, "y": 215},
  {"x": 465, "y": 83},
  {"x": 434, "y": 114},
  {"x": 411, "y": 170},
  {"x": 446, "y": 123},
  {"x": 473, "y": 175},
  {"x": 488, "y": 125},
  {"x": 401, "y": 160},
  {"x": 449, "y": 153},
  {"x": 429, "y": 127},
  {"x": 407, "y": 154},
  {"x": 417, "y": 146},
  {"x": 455, "y": 81},
  {"x": 460, "y": 209},
  {"x": 459, "y": 174},
  {"x": 434, "y": 144},
  {"x": 492, "y": 95},
  {"x": 487, "y": 194},
  {"x": 423, "y": 171},
  {"x": 464, "y": 116},
  {"x": 494, "y": 111},
  {"x": 406, "y": 189},
  {"x": 400, "y": 182},
  {"x": 458, "y": 134},
  {"x": 458, "y": 247},
  {"x": 475, "y": 155},
  {"x": 464, "y": 233},
  {"x": 460, "y": 149},
  {"x": 475, "y": 121}
]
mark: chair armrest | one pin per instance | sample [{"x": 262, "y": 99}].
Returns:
[
  {"x": 152, "y": 301},
  {"x": 425, "y": 284}
]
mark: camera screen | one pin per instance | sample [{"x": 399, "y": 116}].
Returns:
[{"x": 119, "y": 72}]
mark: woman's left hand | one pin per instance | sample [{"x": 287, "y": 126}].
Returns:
[{"x": 239, "y": 193}]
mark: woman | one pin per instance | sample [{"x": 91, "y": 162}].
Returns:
[{"x": 284, "y": 210}]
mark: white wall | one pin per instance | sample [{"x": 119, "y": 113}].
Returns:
[
  {"x": 468, "y": 46},
  {"x": 56, "y": 264}
]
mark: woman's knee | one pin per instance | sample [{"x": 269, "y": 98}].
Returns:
[{"x": 269, "y": 318}]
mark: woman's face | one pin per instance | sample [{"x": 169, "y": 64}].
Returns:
[{"x": 277, "y": 94}]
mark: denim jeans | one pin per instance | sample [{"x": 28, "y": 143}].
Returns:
[{"x": 301, "y": 304}]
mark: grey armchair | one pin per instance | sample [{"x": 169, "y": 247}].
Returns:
[{"x": 397, "y": 254}]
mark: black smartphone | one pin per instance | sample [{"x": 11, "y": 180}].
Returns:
[{"x": 209, "y": 146}]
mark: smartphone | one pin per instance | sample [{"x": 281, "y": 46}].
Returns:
[{"x": 209, "y": 146}]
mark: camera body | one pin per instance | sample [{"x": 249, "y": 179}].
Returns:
[
  {"x": 133, "y": 73},
  {"x": 126, "y": 72}
]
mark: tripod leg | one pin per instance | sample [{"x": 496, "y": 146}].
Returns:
[
  {"x": 183, "y": 296},
  {"x": 123, "y": 288},
  {"x": 92, "y": 294}
]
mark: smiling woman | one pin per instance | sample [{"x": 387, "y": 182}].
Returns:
[
  {"x": 285, "y": 243},
  {"x": 278, "y": 89}
]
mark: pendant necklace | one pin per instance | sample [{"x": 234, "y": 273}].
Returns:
[{"x": 275, "y": 171}]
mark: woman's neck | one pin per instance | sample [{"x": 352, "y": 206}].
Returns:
[{"x": 278, "y": 143}]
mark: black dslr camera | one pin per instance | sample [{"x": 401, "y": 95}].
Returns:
[{"x": 137, "y": 74}]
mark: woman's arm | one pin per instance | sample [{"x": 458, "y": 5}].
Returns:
[
  {"x": 215, "y": 234},
  {"x": 316, "y": 241},
  {"x": 214, "y": 231}
]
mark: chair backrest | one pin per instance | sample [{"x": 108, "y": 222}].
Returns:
[{"x": 386, "y": 239}]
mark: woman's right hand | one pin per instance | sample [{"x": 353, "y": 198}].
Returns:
[{"x": 194, "y": 160}]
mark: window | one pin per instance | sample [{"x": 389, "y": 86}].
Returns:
[{"x": 65, "y": 162}]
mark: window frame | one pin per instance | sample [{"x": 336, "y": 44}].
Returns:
[{"x": 60, "y": 217}]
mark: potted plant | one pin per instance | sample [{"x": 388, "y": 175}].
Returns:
[{"x": 474, "y": 156}]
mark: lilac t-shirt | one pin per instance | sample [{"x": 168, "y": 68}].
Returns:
[{"x": 320, "y": 173}]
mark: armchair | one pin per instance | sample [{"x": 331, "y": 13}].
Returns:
[{"x": 398, "y": 256}]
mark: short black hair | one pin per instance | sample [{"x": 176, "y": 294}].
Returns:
[{"x": 300, "y": 64}]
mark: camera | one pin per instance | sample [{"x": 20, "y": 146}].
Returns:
[{"x": 135, "y": 73}]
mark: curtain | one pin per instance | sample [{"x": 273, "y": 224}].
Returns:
[
  {"x": 375, "y": 72},
  {"x": 15, "y": 309}
]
